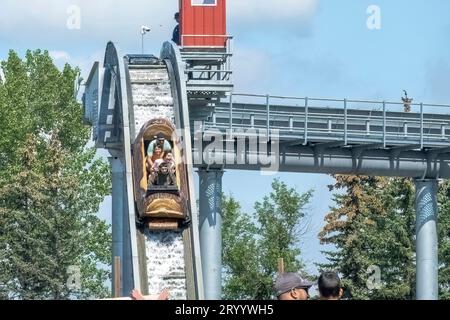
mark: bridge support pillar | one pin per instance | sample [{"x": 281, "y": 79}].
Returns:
[
  {"x": 117, "y": 206},
  {"x": 211, "y": 231},
  {"x": 426, "y": 240}
]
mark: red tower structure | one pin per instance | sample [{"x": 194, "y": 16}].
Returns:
[
  {"x": 206, "y": 48},
  {"x": 203, "y": 23}
]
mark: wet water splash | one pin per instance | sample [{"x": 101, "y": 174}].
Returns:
[
  {"x": 152, "y": 98},
  {"x": 165, "y": 263}
]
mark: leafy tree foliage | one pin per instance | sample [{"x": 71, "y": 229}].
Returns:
[
  {"x": 252, "y": 244},
  {"x": 51, "y": 187}
]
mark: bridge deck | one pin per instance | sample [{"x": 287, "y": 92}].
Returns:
[
  {"x": 310, "y": 121},
  {"x": 326, "y": 136}
]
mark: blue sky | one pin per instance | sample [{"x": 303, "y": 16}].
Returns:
[{"x": 315, "y": 48}]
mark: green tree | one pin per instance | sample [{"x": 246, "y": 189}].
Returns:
[
  {"x": 444, "y": 240},
  {"x": 51, "y": 186},
  {"x": 393, "y": 239},
  {"x": 373, "y": 224},
  {"x": 240, "y": 262},
  {"x": 346, "y": 228},
  {"x": 252, "y": 244}
]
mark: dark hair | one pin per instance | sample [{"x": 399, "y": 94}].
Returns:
[
  {"x": 177, "y": 15},
  {"x": 329, "y": 284}
]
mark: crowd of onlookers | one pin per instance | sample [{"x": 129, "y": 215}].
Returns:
[
  {"x": 291, "y": 286},
  {"x": 288, "y": 286}
]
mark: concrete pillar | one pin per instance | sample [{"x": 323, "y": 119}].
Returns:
[
  {"x": 117, "y": 206},
  {"x": 426, "y": 240},
  {"x": 211, "y": 231}
]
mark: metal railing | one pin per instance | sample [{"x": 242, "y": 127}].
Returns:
[
  {"x": 226, "y": 38},
  {"x": 315, "y": 120},
  {"x": 219, "y": 71}
]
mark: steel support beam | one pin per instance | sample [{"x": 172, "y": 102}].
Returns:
[
  {"x": 329, "y": 145},
  {"x": 211, "y": 231},
  {"x": 117, "y": 205},
  {"x": 426, "y": 240},
  {"x": 414, "y": 164},
  {"x": 396, "y": 151}
]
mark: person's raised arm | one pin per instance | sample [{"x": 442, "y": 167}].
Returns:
[{"x": 137, "y": 295}]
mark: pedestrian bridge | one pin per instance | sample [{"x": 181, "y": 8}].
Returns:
[{"x": 334, "y": 135}]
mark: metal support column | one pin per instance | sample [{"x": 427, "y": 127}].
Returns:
[
  {"x": 117, "y": 206},
  {"x": 211, "y": 231},
  {"x": 127, "y": 252},
  {"x": 426, "y": 240}
]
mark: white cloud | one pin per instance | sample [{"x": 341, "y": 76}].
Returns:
[
  {"x": 263, "y": 10},
  {"x": 47, "y": 19},
  {"x": 40, "y": 22},
  {"x": 43, "y": 24},
  {"x": 19, "y": 14},
  {"x": 84, "y": 62},
  {"x": 57, "y": 55}
]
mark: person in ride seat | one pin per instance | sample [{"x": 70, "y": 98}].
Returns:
[
  {"x": 164, "y": 177},
  {"x": 156, "y": 154},
  {"x": 156, "y": 164},
  {"x": 168, "y": 157},
  {"x": 162, "y": 142}
]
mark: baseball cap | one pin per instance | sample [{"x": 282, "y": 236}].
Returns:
[{"x": 288, "y": 281}]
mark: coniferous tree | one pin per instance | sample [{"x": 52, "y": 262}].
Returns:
[
  {"x": 373, "y": 225},
  {"x": 444, "y": 240},
  {"x": 349, "y": 227}
]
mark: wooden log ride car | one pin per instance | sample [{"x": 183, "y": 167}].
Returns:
[{"x": 161, "y": 191}]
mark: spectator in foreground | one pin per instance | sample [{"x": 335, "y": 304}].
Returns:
[
  {"x": 290, "y": 286},
  {"x": 330, "y": 286}
]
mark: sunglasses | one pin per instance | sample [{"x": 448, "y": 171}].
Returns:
[{"x": 302, "y": 288}]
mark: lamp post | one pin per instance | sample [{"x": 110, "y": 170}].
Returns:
[{"x": 144, "y": 30}]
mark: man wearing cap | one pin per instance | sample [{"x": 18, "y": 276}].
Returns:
[{"x": 290, "y": 286}]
